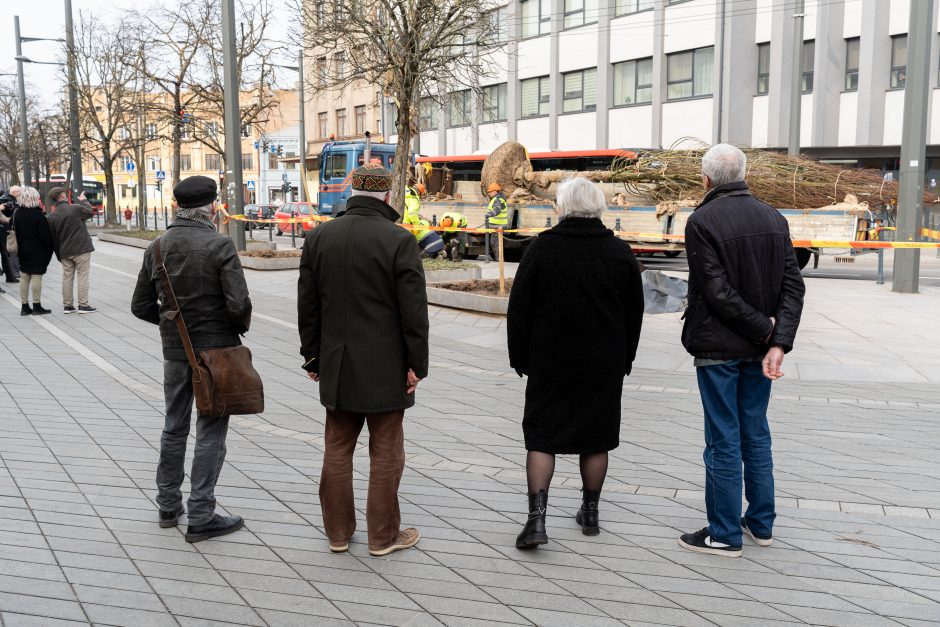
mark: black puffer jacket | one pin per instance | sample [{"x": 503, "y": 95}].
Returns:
[
  {"x": 209, "y": 284},
  {"x": 742, "y": 272}
]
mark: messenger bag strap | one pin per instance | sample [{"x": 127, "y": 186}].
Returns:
[{"x": 174, "y": 312}]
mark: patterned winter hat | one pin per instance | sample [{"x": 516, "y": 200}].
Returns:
[{"x": 371, "y": 177}]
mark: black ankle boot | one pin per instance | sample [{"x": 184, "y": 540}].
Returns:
[
  {"x": 39, "y": 310},
  {"x": 587, "y": 515},
  {"x": 26, "y": 310},
  {"x": 533, "y": 534}
]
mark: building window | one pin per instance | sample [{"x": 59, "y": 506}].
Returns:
[
  {"x": 625, "y": 7},
  {"x": 212, "y": 129},
  {"x": 124, "y": 133},
  {"x": 186, "y": 162},
  {"x": 535, "y": 97},
  {"x": 360, "y": 120},
  {"x": 341, "y": 122},
  {"x": 898, "y": 61},
  {"x": 272, "y": 162},
  {"x": 321, "y": 12},
  {"x": 460, "y": 108},
  {"x": 851, "y": 64},
  {"x": 494, "y": 103},
  {"x": 321, "y": 72},
  {"x": 809, "y": 58},
  {"x": 580, "y": 91},
  {"x": 689, "y": 74},
  {"x": 340, "y": 60},
  {"x": 497, "y": 27},
  {"x": 246, "y": 131},
  {"x": 580, "y": 12},
  {"x": 536, "y": 17},
  {"x": 153, "y": 163},
  {"x": 213, "y": 162},
  {"x": 248, "y": 161},
  {"x": 427, "y": 115},
  {"x": 151, "y": 131},
  {"x": 633, "y": 82},
  {"x": 763, "y": 69},
  {"x": 321, "y": 124}
]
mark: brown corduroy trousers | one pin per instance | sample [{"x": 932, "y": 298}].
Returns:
[{"x": 387, "y": 458}]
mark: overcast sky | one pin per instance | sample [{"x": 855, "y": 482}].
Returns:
[{"x": 46, "y": 18}]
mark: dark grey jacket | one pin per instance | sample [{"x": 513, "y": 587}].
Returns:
[
  {"x": 69, "y": 234},
  {"x": 209, "y": 284},
  {"x": 362, "y": 309},
  {"x": 742, "y": 272}
]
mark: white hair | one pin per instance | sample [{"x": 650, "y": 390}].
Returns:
[
  {"x": 379, "y": 195},
  {"x": 29, "y": 197},
  {"x": 723, "y": 164},
  {"x": 202, "y": 214},
  {"x": 580, "y": 198}
]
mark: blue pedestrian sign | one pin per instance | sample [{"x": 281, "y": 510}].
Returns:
[
  {"x": 161, "y": 175},
  {"x": 130, "y": 167},
  {"x": 250, "y": 186}
]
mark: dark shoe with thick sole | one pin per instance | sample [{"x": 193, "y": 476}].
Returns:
[
  {"x": 701, "y": 542},
  {"x": 218, "y": 526},
  {"x": 758, "y": 540},
  {"x": 533, "y": 533},
  {"x": 171, "y": 519},
  {"x": 26, "y": 310},
  {"x": 69, "y": 309},
  {"x": 86, "y": 309},
  {"x": 587, "y": 516},
  {"x": 39, "y": 310}
]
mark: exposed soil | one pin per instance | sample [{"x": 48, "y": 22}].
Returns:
[
  {"x": 271, "y": 254},
  {"x": 484, "y": 287},
  {"x": 145, "y": 235},
  {"x": 444, "y": 264}
]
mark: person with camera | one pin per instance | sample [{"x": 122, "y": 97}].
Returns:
[
  {"x": 73, "y": 247},
  {"x": 7, "y": 207}
]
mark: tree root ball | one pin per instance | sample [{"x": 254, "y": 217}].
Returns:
[{"x": 507, "y": 165}]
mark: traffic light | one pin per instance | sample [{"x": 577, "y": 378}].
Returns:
[{"x": 280, "y": 150}]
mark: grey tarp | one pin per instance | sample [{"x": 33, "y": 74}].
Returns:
[{"x": 663, "y": 293}]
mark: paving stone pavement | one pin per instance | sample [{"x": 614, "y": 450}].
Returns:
[{"x": 856, "y": 441}]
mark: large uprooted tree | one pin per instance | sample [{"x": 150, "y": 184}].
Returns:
[{"x": 408, "y": 49}]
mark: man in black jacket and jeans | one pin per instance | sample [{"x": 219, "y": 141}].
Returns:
[
  {"x": 212, "y": 294},
  {"x": 745, "y": 300}
]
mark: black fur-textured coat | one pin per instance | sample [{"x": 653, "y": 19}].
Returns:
[{"x": 574, "y": 321}]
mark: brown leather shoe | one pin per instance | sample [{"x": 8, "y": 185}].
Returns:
[{"x": 407, "y": 538}]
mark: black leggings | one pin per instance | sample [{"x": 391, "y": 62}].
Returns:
[{"x": 540, "y": 467}]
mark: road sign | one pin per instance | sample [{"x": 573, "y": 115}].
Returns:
[
  {"x": 161, "y": 175},
  {"x": 250, "y": 186},
  {"x": 130, "y": 167}
]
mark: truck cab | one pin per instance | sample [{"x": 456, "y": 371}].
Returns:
[{"x": 337, "y": 161}]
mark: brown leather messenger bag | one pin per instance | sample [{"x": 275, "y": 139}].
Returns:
[{"x": 224, "y": 381}]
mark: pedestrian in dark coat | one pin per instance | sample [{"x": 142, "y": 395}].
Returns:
[
  {"x": 34, "y": 241},
  {"x": 574, "y": 321},
  {"x": 73, "y": 247},
  {"x": 363, "y": 318},
  {"x": 745, "y": 302}
]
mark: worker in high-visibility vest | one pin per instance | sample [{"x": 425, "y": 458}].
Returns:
[
  {"x": 498, "y": 209},
  {"x": 413, "y": 202},
  {"x": 453, "y": 221}
]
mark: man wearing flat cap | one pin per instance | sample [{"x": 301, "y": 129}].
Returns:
[
  {"x": 363, "y": 317},
  {"x": 210, "y": 289}
]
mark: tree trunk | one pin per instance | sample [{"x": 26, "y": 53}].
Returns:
[
  {"x": 402, "y": 157},
  {"x": 107, "y": 164},
  {"x": 177, "y": 137}
]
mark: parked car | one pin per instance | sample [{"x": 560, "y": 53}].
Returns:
[
  {"x": 300, "y": 210},
  {"x": 259, "y": 212}
]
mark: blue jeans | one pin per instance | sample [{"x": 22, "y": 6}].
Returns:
[{"x": 735, "y": 396}]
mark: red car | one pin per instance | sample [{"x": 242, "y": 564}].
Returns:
[{"x": 301, "y": 210}]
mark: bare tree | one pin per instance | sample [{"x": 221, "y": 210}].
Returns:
[
  {"x": 11, "y": 147},
  {"x": 106, "y": 85},
  {"x": 170, "y": 40},
  {"x": 254, "y": 50},
  {"x": 48, "y": 138},
  {"x": 410, "y": 49}
]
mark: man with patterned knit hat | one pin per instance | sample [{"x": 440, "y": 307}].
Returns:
[{"x": 363, "y": 318}]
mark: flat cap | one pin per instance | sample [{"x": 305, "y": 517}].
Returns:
[
  {"x": 371, "y": 177},
  {"x": 195, "y": 191}
]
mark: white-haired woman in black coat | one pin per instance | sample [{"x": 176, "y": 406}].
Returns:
[{"x": 574, "y": 320}]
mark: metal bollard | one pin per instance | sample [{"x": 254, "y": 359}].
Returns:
[
  {"x": 251, "y": 229},
  {"x": 486, "y": 239},
  {"x": 166, "y": 219},
  {"x": 433, "y": 220},
  {"x": 548, "y": 222},
  {"x": 271, "y": 232},
  {"x": 617, "y": 228},
  {"x": 293, "y": 230}
]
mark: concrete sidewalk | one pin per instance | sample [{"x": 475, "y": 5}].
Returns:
[{"x": 856, "y": 445}]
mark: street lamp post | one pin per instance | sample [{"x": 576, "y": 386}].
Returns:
[
  {"x": 299, "y": 68},
  {"x": 75, "y": 149},
  {"x": 233, "y": 148},
  {"x": 21, "y": 87}
]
